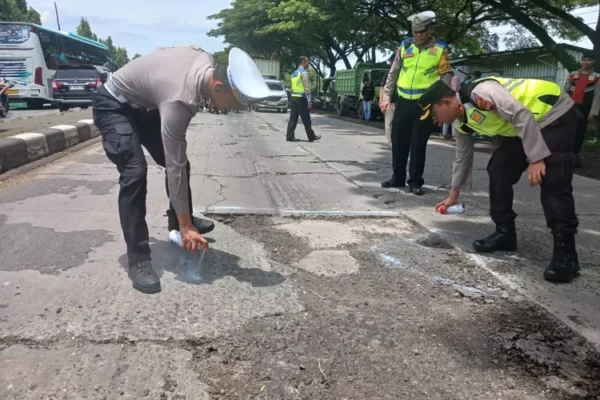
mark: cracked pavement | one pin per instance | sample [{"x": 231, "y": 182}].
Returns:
[{"x": 318, "y": 284}]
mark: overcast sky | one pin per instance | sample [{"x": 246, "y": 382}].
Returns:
[{"x": 142, "y": 25}]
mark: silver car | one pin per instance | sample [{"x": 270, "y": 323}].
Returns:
[{"x": 278, "y": 99}]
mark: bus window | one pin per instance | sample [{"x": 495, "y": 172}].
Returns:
[
  {"x": 61, "y": 50},
  {"x": 14, "y": 34},
  {"x": 52, "y": 48}
]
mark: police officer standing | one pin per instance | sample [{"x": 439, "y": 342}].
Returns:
[
  {"x": 301, "y": 103},
  {"x": 536, "y": 123},
  {"x": 584, "y": 88},
  {"x": 420, "y": 61},
  {"x": 389, "y": 113},
  {"x": 149, "y": 102}
]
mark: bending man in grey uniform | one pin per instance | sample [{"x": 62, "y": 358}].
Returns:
[
  {"x": 536, "y": 121},
  {"x": 150, "y": 102}
]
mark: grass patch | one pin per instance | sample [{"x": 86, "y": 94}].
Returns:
[{"x": 592, "y": 144}]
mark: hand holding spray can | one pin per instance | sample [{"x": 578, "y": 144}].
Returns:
[
  {"x": 455, "y": 209},
  {"x": 175, "y": 238}
]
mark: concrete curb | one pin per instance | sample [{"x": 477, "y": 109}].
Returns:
[{"x": 24, "y": 148}]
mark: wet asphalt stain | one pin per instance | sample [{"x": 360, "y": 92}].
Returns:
[
  {"x": 215, "y": 266},
  {"x": 24, "y": 246},
  {"x": 43, "y": 187}
]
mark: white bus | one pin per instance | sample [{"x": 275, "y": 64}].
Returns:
[{"x": 30, "y": 54}]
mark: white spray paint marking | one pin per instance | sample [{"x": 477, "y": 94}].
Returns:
[
  {"x": 275, "y": 211},
  {"x": 397, "y": 263}
]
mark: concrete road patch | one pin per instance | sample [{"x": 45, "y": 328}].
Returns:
[
  {"x": 329, "y": 263},
  {"x": 99, "y": 371}
]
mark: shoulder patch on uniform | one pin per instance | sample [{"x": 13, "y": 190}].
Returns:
[
  {"x": 477, "y": 116},
  {"x": 441, "y": 43},
  {"x": 406, "y": 42},
  {"x": 484, "y": 104}
]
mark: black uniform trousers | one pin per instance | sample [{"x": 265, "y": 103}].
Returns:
[
  {"x": 124, "y": 131},
  {"x": 409, "y": 136},
  {"x": 509, "y": 162},
  {"x": 300, "y": 109},
  {"x": 582, "y": 126}
]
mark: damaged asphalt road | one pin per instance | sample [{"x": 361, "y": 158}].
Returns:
[{"x": 291, "y": 301}]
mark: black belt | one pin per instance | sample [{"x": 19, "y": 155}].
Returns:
[{"x": 118, "y": 95}]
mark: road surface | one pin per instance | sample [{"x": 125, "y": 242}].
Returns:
[{"x": 316, "y": 285}]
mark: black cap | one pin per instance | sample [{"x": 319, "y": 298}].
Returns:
[
  {"x": 589, "y": 54},
  {"x": 434, "y": 94}
]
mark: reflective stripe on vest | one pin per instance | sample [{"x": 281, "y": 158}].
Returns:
[
  {"x": 297, "y": 84},
  {"x": 419, "y": 70},
  {"x": 537, "y": 96}
]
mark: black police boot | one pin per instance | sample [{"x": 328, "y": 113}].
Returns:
[
  {"x": 203, "y": 225},
  {"x": 565, "y": 263},
  {"x": 144, "y": 278},
  {"x": 418, "y": 191},
  {"x": 504, "y": 239},
  {"x": 393, "y": 183}
]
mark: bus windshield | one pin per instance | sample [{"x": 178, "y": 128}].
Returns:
[
  {"x": 59, "y": 50},
  {"x": 13, "y": 34}
]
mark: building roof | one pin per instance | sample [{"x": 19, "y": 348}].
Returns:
[{"x": 494, "y": 59}]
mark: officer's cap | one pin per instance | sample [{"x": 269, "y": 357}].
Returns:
[
  {"x": 433, "y": 95},
  {"x": 422, "y": 20},
  {"x": 246, "y": 81},
  {"x": 590, "y": 54}
]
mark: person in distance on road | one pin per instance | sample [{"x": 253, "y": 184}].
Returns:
[
  {"x": 301, "y": 103},
  {"x": 419, "y": 62},
  {"x": 149, "y": 102},
  {"x": 536, "y": 122},
  {"x": 583, "y": 86}
]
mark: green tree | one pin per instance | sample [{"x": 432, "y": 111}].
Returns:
[
  {"x": 85, "y": 30},
  {"x": 136, "y": 55},
  {"x": 18, "y": 10},
  {"x": 546, "y": 19},
  {"x": 118, "y": 54},
  {"x": 222, "y": 57},
  {"x": 283, "y": 30}
]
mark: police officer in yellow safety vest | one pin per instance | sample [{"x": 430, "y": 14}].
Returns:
[
  {"x": 536, "y": 121},
  {"x": 419, "y": 62},
  {"x": 301, "y": 103}
]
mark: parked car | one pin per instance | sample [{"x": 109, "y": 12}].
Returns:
[
  {"x": 73, "y": 85},
  {"x": 277, "y": 101}
]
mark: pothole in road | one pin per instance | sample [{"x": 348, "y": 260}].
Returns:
[{"x": 386, "y": 308}]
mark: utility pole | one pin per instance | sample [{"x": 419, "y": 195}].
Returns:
[{"x": 57, "y": 20}]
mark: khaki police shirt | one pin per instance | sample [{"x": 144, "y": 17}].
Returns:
[
  {"x": 444, "y": 69},
  {"x": 510, "y": 109},
  {"x": 171, "y": 80},
  {"x": 306, "y": 83}
]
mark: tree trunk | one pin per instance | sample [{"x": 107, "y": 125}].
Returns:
[
  {"x": 597, "y": 43},
  {"x": 373, "y": 55},
  {"x": 571, "y": 19},
  {"x": 539, "y": 32}
]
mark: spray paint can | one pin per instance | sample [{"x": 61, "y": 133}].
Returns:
[
  {"x": 175, "y": 237},
  {"x": 455, "y": 209}
]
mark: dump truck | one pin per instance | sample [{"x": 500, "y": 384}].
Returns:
[{"x": 349, "y": 84}]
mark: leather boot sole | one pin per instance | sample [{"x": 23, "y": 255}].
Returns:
[
  {"x": 481, "y": 248},
  {"x": 146, "y": 289},
  {"x": 562, "y": 278}
]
